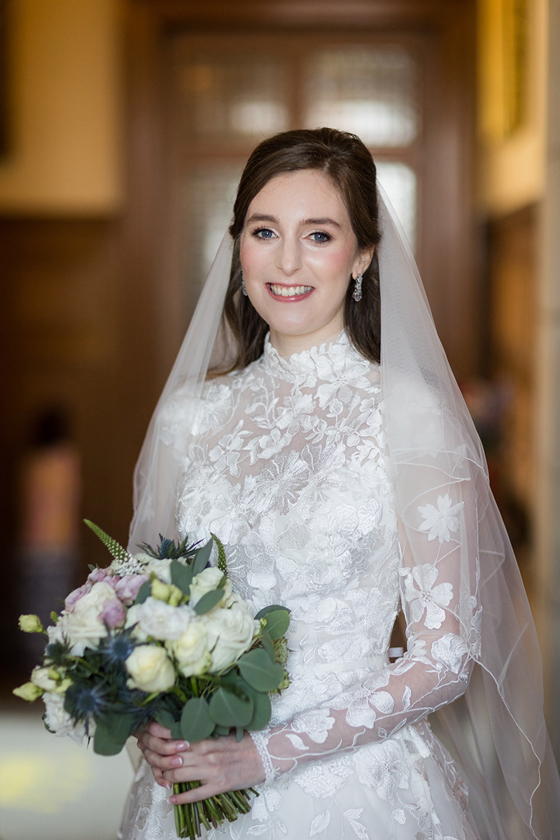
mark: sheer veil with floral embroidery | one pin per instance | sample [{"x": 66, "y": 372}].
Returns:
[{"x": 496, "y": 729}]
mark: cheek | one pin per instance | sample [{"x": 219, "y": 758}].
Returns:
[
  {"x": 252, "y": 257},
  {"x": 336, "y": 264}
]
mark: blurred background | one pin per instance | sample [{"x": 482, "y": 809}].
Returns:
[{"x": 124, "y": 126}]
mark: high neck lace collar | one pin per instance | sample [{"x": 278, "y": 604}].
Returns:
[{"x": 333, "y": 360}]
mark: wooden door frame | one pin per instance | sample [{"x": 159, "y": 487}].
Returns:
[{"x": 449, "y": 267}]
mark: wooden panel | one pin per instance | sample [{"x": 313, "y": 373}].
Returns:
[
  {"x": 512, "y": 323},
  {"x": 60, "y": 346}
]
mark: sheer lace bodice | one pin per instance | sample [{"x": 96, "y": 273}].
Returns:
[{"x": 287, "y": 467}]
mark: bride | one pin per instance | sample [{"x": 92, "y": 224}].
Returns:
[{"x": 321, "y": 436}]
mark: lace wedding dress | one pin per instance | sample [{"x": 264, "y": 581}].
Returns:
[{"x": 287, "y": 467}]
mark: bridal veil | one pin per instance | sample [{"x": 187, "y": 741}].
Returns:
[{"x": 496, "y": 730}]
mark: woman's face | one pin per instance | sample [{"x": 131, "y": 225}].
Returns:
[{"x": 298, "y": 252}]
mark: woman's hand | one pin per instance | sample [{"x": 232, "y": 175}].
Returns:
[{"x": 221, "y": 764}]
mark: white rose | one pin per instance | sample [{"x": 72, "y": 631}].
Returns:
[
  {"x": 160, "y": 568},
  {"x": 57, "y": 632},
  {"x": 191, "y": 649},
  {"x": 132, "y": 618},
  {"x": 84, "y": 626},
  {"x": 59, "y": 721},
  {"x": 162, "y": 621},
  {"x": 150, "y": 669},
  {"x": 207, "y": 581},
  {"x": 230, "y": 633}
]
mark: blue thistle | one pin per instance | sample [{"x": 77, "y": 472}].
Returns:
[
  {"x": 86, "y": 702},
  {"x": 118, "y": 647}
]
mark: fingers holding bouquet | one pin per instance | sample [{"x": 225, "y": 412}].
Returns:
[
  {"x": 220, "y": 765},
  {"x": 161, "y": 751}
]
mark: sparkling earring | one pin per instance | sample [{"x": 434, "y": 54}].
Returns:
[
  {"x": 243, "y": 287},
  {"x": 357, "y": 293}
]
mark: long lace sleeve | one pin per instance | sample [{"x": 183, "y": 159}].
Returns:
[{"x": 438, "y": 593}]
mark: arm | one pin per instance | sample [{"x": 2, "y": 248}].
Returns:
[{"x": 438, "y": 587}]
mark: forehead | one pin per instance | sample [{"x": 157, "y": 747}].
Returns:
[{"x": 307, "y": 190}]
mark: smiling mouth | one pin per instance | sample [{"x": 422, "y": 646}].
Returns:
[{"x": 289, "y": 291}]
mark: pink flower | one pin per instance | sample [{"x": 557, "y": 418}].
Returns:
[
  {"x": 127, "y": 587},
  {"x": 75, "y": 596},
  {"x": 113, "y": 613},
  {"x": 100, "y": 576}
]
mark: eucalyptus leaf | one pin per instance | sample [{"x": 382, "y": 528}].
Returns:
[
  {"x": 221, "y": 730},
  {"x": 262, "y": 711},
  {"x": 181, "y": 576},
  {"x": 165, "y": 718},
  {"x": 227, "y": 709},
  {"x": 271, "y": 608},
  {"x": 267, "y": 645},
  {"x": 202, "y": 557},
  {"x": 259, "y": 670},
  {"x": 277, "y": 622},
  {"x": 104, "y": 743},
  {"x": 111, "y": 733},
  {"x": 144, "y": 592},
  {"x": 208, "y": 601},
  {"x": 239, "y": 733},
  {"x": 196, "y": 723},
  {"x": 176, "y": 732}
]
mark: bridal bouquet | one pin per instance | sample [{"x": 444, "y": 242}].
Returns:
[{"x": 161, "y": 636}]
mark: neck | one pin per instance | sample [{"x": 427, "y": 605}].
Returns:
[{"x": 287, "y": 345}]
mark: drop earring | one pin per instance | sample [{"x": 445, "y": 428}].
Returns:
[
  {"x": 357, "y": 293},
  {"x": 243, "y": 287}
]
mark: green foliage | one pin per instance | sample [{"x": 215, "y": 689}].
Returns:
[
  {"x": 260, "y": 671},
  {"x": 229, "y": 709},
  {"x": 196, "y": 723},
  {"x": 181, "y": 576},
  {"x": 277, "y": 623},
  {"x": 267, "y": 645},
  {"x": 202, "y": 557},
  {"x": 114, "y": 548},
  {"x": 112, "y": 732},
  {"x": 262, "y": 710},
  {"x": 222, "y": 562},
  {"x": 208, "y": 601},
  {"x": 165, "y": 718},
  {"x": 144, "y": 592}
]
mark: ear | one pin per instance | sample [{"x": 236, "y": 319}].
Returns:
[{"x": 362, "y": 261}]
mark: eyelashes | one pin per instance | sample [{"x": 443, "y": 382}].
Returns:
[{"x": 318, "y": 236}]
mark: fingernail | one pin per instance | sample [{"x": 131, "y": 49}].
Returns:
[
  {"x": 182, "y": 746},
  {"x": 177, "y": 761},
  {"x": 168, "y": 785}
]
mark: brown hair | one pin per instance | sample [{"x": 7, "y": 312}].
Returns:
[{"x": 346, "y": 161}]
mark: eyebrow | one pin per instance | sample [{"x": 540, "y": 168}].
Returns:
[{"x": 261, "y": 217}]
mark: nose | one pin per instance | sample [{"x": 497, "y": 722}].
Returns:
[{"x": 288, "y": 258}]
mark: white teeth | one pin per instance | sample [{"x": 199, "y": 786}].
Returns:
[{"x": 290, "y": 291}]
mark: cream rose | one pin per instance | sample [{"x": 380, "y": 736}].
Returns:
[
  {"x": 150, "y": 669},
  {"x": 207, "y": 581},
  {"x": 84, "y": 626},
  {"x": 230, "y": 633},
  {"x": 191, "y": 650}
]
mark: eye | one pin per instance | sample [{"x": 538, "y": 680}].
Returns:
[
  {"x": 264, "y": 233},
  {"x": 320, "y": 236}
]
